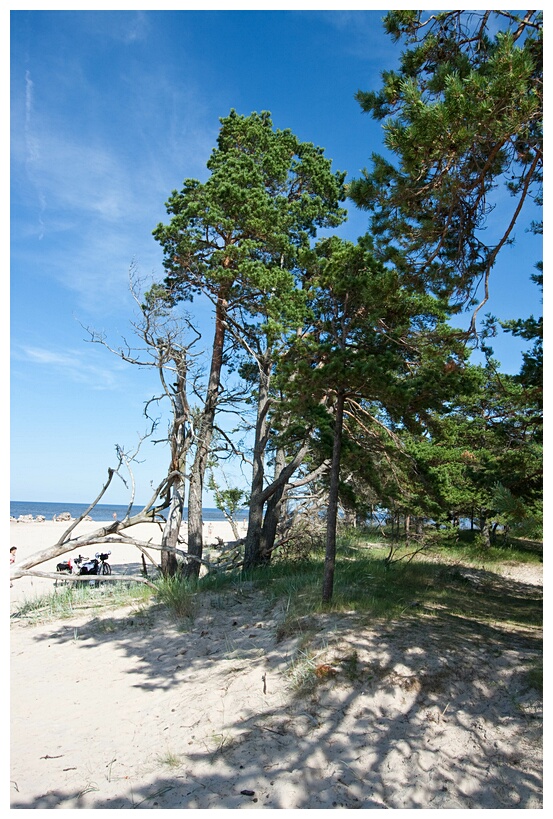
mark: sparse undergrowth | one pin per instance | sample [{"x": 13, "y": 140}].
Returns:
[
  {"x": 456, "y": 578},
  {"x": 436, "y": 650},
  {"x": 67, "y": 600},
  {"x": 177, "y": 594},
  {"x": 366, "y": 584}
]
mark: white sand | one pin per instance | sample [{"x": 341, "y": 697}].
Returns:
[
  {"x": 129, "y": 709},
  {"x": 33, "y": 537}
]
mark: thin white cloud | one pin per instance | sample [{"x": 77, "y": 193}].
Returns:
[
  {"x": 361, "y": 43},
  {"x": 80, "y": 178},
  {"x": 91, "y": 174},
  {"x": 72, "y": 366},
  {"x": 32, "y": 149},
  {"x": 98, "y": 203},
  {"x": 137, "y": 28},
  {"x": 122, "y": 26}
]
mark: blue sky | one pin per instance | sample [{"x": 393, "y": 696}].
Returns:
[{"x": 111, "y": 111}]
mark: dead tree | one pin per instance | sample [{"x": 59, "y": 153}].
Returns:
[{"x": 161, "y": 335}]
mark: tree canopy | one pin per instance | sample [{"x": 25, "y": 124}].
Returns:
[
  {"x": 347, "y": 349},
  {"x": 462, "y": 116},
  {"x": 236, "y": 239}
]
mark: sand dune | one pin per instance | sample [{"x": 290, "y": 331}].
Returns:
[{"x": 130, "y": 709}]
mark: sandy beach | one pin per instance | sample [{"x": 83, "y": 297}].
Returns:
[
  {"x": 130, "y": 709},
  {"x": 33, "y": 537}
]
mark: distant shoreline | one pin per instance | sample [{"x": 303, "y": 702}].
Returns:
[{"x": 100, "y": 513}]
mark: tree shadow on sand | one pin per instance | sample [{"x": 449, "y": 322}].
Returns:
[{"x": 432, "y": 711}]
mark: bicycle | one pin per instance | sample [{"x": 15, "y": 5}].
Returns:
[
  {"x": 103, "y": 566},
  {"x": 95, "y": 566},
  {"x": 85, "y": 565}
]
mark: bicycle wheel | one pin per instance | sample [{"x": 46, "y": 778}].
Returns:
[{"x": 106, "y": 568}]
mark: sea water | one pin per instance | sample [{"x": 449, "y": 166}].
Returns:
[{"x": 101, "y": 512}]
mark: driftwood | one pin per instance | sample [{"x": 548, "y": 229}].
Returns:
[
  {"x": 230, "y": 556},
  {"x": 116, "y": 533},
  {"x": 111, "y": 534}
]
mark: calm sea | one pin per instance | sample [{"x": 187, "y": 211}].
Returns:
[{"x": 101, "y": 512}]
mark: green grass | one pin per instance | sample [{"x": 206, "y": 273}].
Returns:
[
  {"x": 178, "y": 595},
  {"x": 67, "y": 600},
  {"x": 169, "y": 760},
  {"x": 466, "y": 547},
  {"x": 534, "y": 676},
  {"x": 364, "y": 582}
]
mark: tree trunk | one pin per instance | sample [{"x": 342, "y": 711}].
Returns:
[
  {"x": 350, "y": 518},
  {"x": 203, "y": 444},
  {"x": 171, "y": 530},
  {"x": 272, "y": 512},
  {"x": 270, "y": 524},
  {"x": 179, "y": 446},
  {"x": 233, "y": 526},
  {"x": 252, "y": 549},
  {"x": 195, "y": 521},
  {"x": 332, "y": 515},
  {"x": 485, "y": 532}
]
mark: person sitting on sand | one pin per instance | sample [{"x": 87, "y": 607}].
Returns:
[{"x": 13, "y": 550}]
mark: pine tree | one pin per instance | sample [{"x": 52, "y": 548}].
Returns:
[
  {"x": 462, "y": 116},
  {"x": 235, "y": 239}
]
